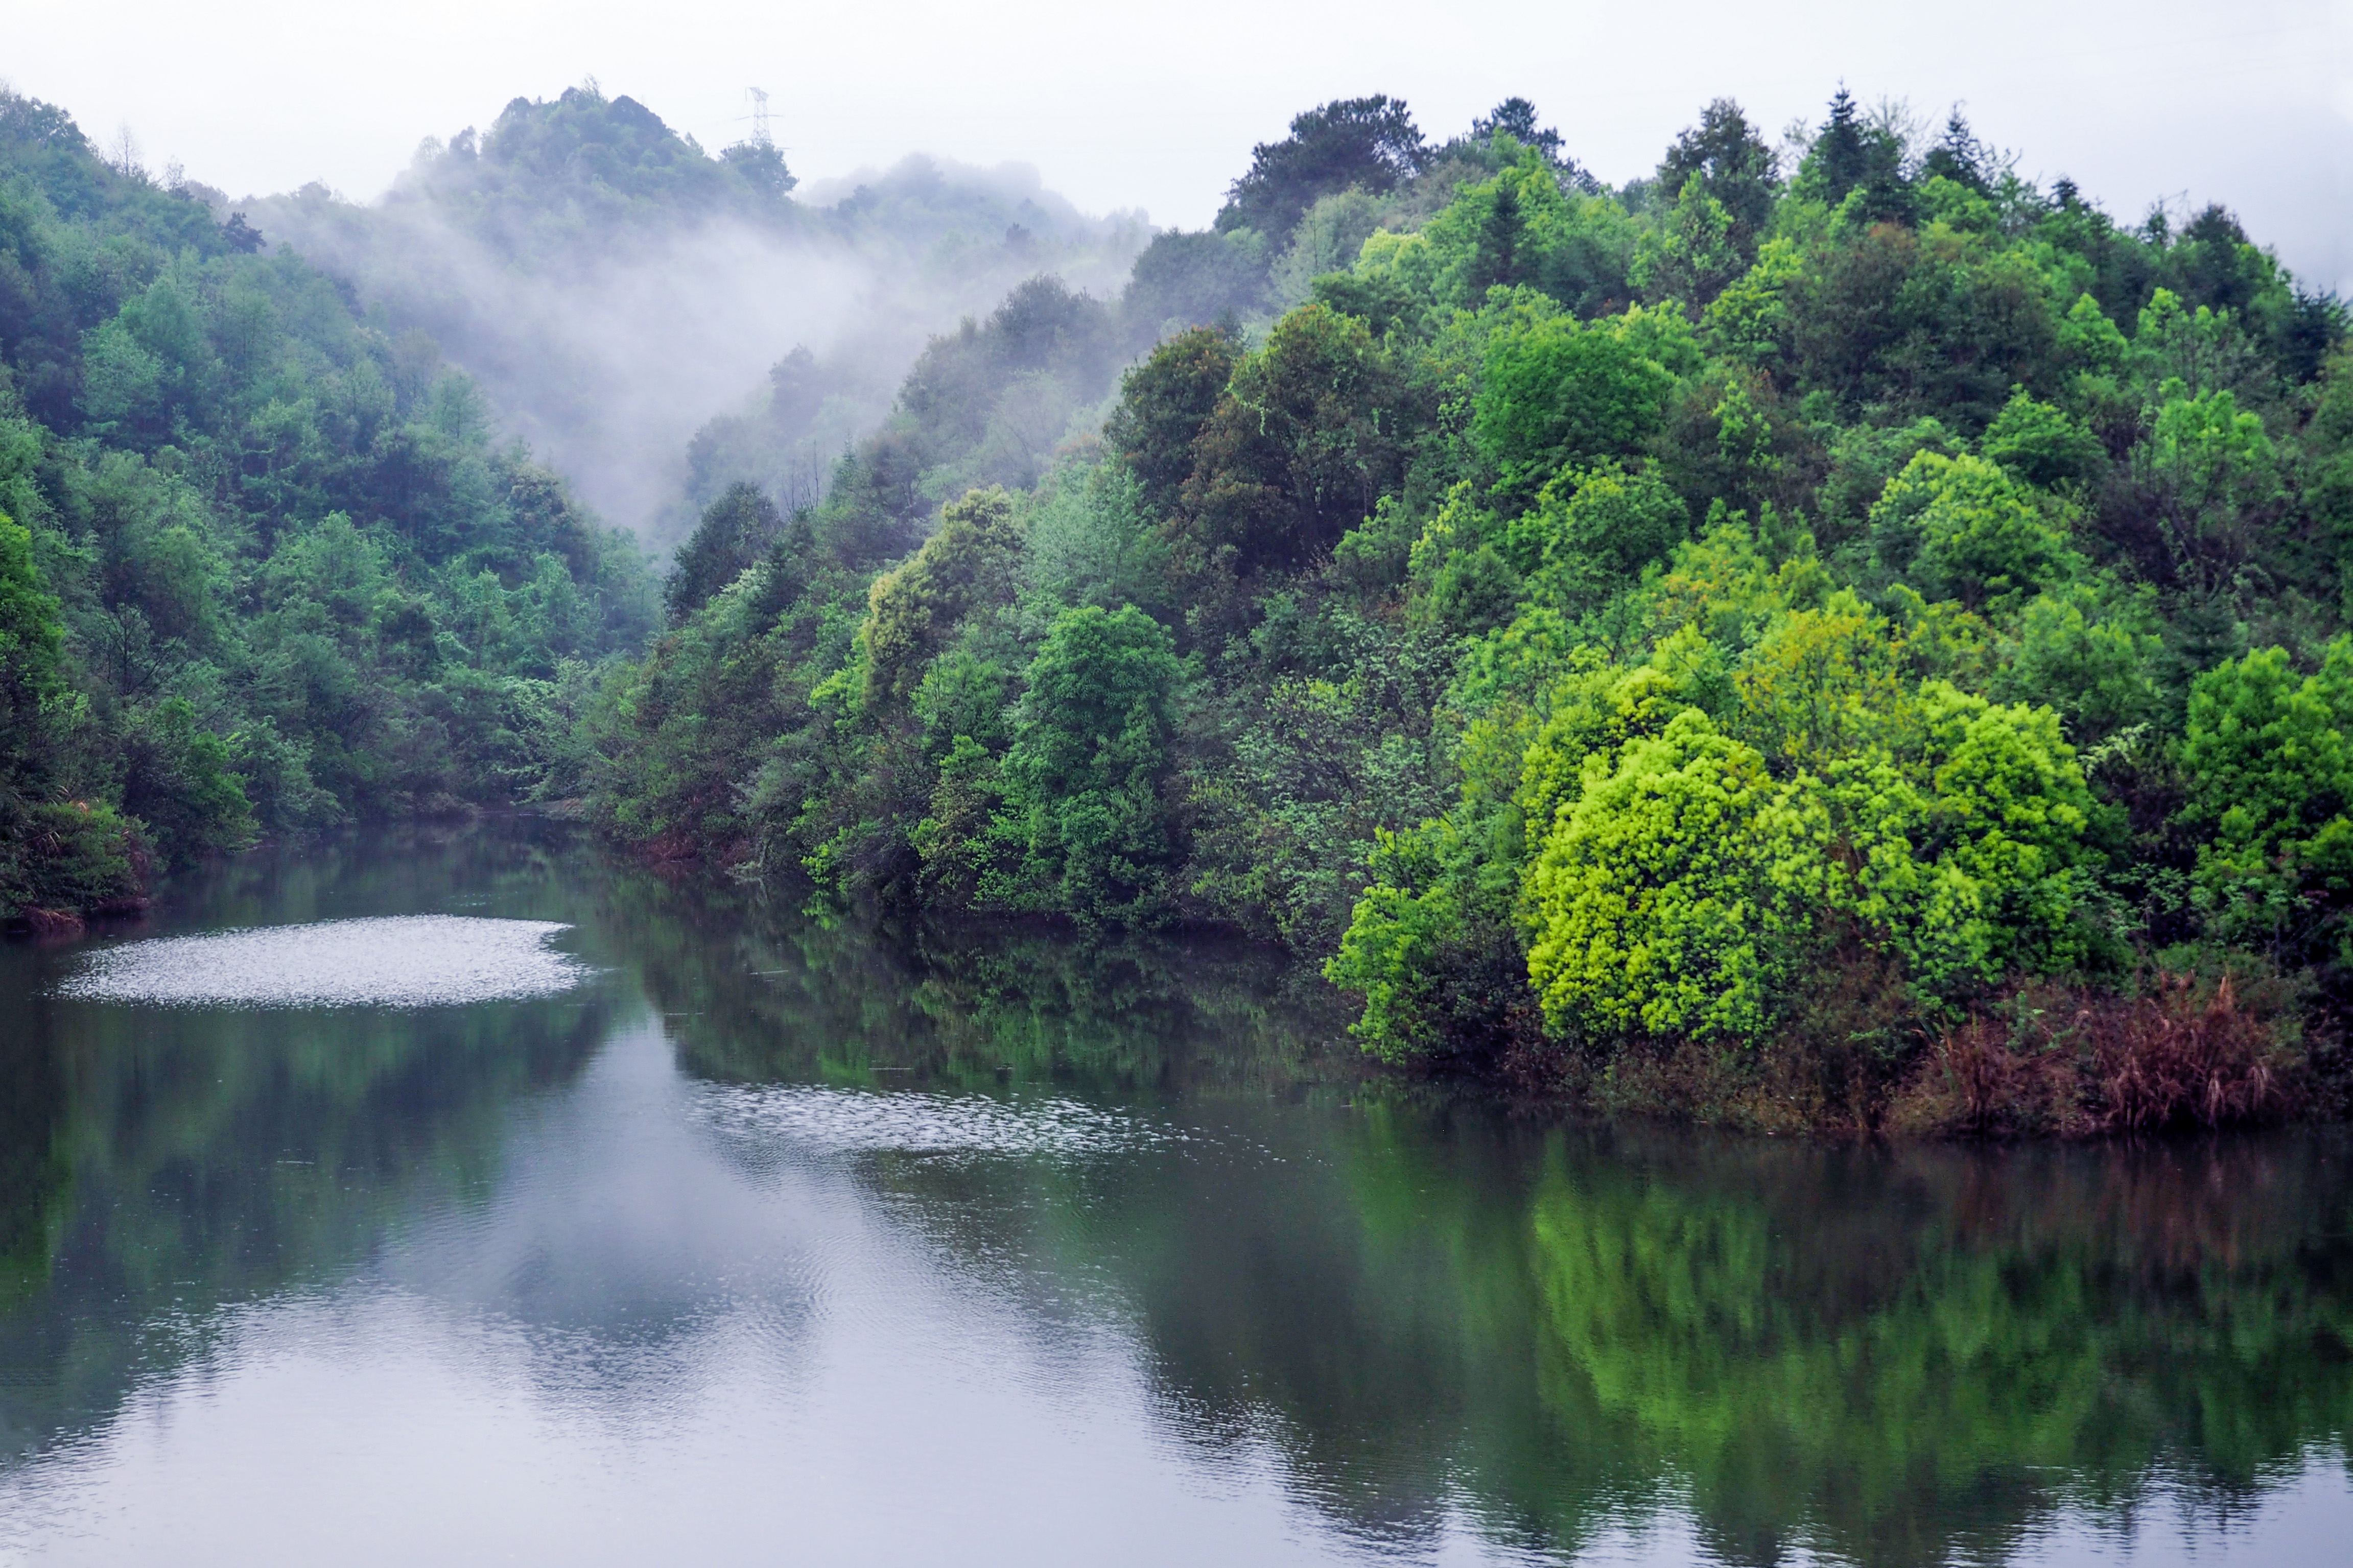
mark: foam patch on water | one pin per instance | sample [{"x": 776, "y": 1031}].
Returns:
[
  {"x": 406, "y": 961},
  {"x": 852, "y": 1121}
]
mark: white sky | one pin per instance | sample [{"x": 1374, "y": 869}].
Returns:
[{"x": 1155, "y": 105}]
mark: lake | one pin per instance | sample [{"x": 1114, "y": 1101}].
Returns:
[{"x": 683, "y": 1227}]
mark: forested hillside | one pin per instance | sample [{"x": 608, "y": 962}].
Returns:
[
  {"x": 1836, "y": 634},
  {"x": 263, "y": 568},
  {"x": 1826, "y": 633},
  {"x": 611, "y": 287}
]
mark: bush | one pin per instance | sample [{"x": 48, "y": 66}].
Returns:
[
  {"x": 1083, "y": 776},
  {"x": 2182, "y": 1052},
  {"x": 1676, "y": 894},
  {"x": 67, "y": 859}
]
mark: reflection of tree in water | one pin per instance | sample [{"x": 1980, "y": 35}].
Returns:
[
  {"x": 1885, "y": 1358},
  {"x": 194, "y": 1160},
  {"x": 1428, "y": 1307},
  {"x": 1891, "y": 1358},
  {"x": 33, "y": 1171},
  {"x": 755, "y": 992}
]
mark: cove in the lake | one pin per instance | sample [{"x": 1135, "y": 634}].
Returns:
[{"x": 578, "y": 1216}]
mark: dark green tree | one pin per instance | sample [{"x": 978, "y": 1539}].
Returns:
[
  {"x": 1852, "y": 153},
  {"x": 1091, "y": 753},
  {"x": 736, "y": 531},
  {"x": 1732, "y": 165},
  {"x": 1164, "y": 404},
  {"x": 1958, "y": 155},
  {"x": 1363, "y": 143},
  {"x": 1516, "y": 118},
  {"x": 1301, "y": 445}
]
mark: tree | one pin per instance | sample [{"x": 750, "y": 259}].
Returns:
[
  {"x": 1164, "y": 404},
  {"x": 762, "y": 167},
  {"x": 734, "y": 533},
  {"x": 1558, "y": 392},
  {"x": 1692, "y": 255},
  {"x": 182, "y": 782},
  {"x": 1960, "y": 528},
  {"x": 1971, "y": 866},
  {"x": 1083, "y": 776},
  {"x": 2089, "y": 662},
  {"x": 1852, "y": 153},
  {"x": 912, "y": 611},
  {"x": 1674, "y": 896},
  {"x": 1519, "y": 226},
  {"x": 1842, "y": 149},
  {"x": 2270, "y": 759},
  {"x": 1733, "y": 167},
  {"x": 1516, "y": 118},
  {"x": 2214, "y": 472},
  {"x": 1194, "y": 280},
  {"x": 54, "y": 854},
  {"x": 1959, "y": 156},
  {"x": 34, "y": 698},
  {"x": 1905, "y": 325},
  {"x": 1591, "y": 532},
  {"x": 1306, "y": 438},
  {"x": 2043, "y": 444},
  {"x": 1369, "y": 144}
]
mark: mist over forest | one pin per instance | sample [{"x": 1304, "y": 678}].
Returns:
[
  {"x": 611, "y": 287},
  {"x": 1721, "y": 643}
]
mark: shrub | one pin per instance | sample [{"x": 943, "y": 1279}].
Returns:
[
  {"x": 1090, "y": 754},
  {"x": 2180, "y": 1052},
  {"x": 1675, "y": 894}
]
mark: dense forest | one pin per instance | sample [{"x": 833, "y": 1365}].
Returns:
[
  {"x": 1834, "y": 635},
  {"x": 263, "y": 567},
  {"x": 1830, "y": 634}
]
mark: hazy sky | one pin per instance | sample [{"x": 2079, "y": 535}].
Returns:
[{"x": 1157, "y": 105}]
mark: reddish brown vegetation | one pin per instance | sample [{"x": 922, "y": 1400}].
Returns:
[
  {"x": 51, "y": 925},
  {"x": 671, "y": 848},
  {"x": 1856, "y": 1060},
  {"x": 2181, "y": 1053}
]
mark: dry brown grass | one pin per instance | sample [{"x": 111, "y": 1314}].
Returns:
[
  {"x": 2175, "y": 1058},
  {"x": 2177, "y": 1052}
]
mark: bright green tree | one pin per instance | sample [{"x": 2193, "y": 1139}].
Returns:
[
  {"x": 1089, "y": 758},
  {"x": 1677, "y": 893},
  {"x": 2271, "y": 769},
  {"x": 1961, "y": 528}
]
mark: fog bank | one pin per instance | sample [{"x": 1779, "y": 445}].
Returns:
[{"x": 606, "y": 346}]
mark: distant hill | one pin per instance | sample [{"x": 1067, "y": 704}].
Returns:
[{"x": 612, "y": 286}]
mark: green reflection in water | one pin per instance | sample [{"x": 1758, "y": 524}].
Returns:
[
  {"x": 1423, "y": 1302},
  {"x": 752, "y": 992},
  {"x": 190, "y": 1161},
  {"x": 1902, "y": 1353},
  {"x": 1890, "y": 1359},
  {"x": 1887, "y": 1356}
]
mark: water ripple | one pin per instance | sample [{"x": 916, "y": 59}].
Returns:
[
  {"x": 914, "y": 1122},
  {"x": 407, "y": 961}
]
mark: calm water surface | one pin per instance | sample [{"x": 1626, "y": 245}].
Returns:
[{"x": 698, "y": 1233}]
